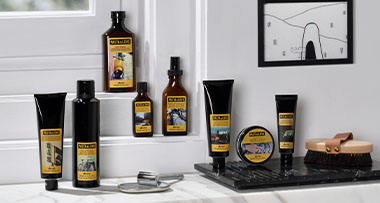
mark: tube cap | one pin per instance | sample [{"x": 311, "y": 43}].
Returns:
[
  {"x": 286, "y": 159},
  {"x": 218, "y": 162},
  {"x": 86, "y": 88},
  {"x": 175, "y": 66},
  {"x": 142, "y": 86},
  {"x": 51, "y": 184},
  {"x": 117, "y": 14}
]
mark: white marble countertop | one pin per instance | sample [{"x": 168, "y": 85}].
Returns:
[{"x": 195, "y": 188}]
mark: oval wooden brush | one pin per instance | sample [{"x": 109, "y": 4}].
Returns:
[{"x": 339, "y": 151}]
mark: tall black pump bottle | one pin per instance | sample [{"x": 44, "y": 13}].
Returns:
[{"x": 86, "y": 136}]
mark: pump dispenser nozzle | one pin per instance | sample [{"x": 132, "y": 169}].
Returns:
[{"x": 175, "y": 66}]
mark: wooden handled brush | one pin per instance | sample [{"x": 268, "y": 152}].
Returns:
[{"x": 342, "y": 150}]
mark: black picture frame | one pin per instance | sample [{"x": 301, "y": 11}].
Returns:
[{"x": 261, "y": 37}]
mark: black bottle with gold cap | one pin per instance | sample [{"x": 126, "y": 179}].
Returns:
[
  {"x": 142, "y": 112},
  {"x": 86, "y": 136}
]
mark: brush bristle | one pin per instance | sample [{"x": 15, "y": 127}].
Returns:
[{"x": 348, "y": 160}]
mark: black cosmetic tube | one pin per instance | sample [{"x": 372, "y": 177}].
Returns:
[
  {"x": 286, "y": 126},
  {"x": 218, "y": 98},
  {"x": 50, "y": 116}
]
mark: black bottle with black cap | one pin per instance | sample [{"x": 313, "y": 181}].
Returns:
[
  {"x": 174, "y": 102},
  {"x": 142, "y": 112},
  {"x": 86, "y": 136}
]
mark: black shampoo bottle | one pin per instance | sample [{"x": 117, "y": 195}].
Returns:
[{"x": 85, "y": 136}]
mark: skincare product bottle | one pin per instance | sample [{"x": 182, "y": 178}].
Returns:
[
  {"x": 142, "y": 112},
  {"x": 50, "y": 116},
  {"x": 85, "y": 136},
  {"x": 119, "y": 63},
  {"x": 286, "y": 126},
  {"x": 174, "y": 102}
]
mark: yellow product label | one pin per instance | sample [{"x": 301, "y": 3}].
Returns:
[
  {"x": 220, "y": 147},
  {"x": 121, "y": 44},
  {"x": 286, "y": 145},
  {"x": 220, "y": 120},
  {"x": 257, "y": 136},
  {"x": 120, "y": 62},
  {"x": 143, "y": 117},
  {"x": 51, "y": 169},
  {"x": 143, "y": 129},
  {"x": 51, "y": 150},
  {"x": 142, "y": 107},
  {"x": 220, "y": 132},
  {"x": 86, "y": 161},
  {"x": 257, "y": 145},
  {"x": 176, "y": 128},
  {"x": 176, "y": 113},
  {"x": 286, "y": 119},
  {"x": 176, "y": 102},
  {"x": 121, "y": 83},
  {"x": 257, "y": 158}
]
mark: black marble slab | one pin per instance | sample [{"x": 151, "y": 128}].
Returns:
[{"x": 240, "y": 175}]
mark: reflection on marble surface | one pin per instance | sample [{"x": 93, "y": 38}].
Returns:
[{"x": 195, "y": 188}]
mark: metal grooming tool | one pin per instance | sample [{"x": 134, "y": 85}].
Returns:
[
  {"x": 150, "y": 182},
  {"x": 153, "y": 178}
]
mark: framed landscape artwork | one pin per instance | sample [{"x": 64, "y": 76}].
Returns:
[{"x": 305, "y": 32}]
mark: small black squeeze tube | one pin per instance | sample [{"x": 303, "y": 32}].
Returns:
[
  {"x": 286, "y": 125},
  {"x": 50, "y": 116},
  {"x": 218, "y": 100}
]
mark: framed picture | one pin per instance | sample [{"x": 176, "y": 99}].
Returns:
[{"x": 305, "y": 32}]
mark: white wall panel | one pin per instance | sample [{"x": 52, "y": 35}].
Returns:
[
  {"x": 332, "y": 99},
  {"x": 41, "y": 36},
  {"x": 163, "y": 28},
  {"x": 176, "y": 36}
]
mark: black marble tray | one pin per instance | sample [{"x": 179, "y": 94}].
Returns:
[{"x": 240, "y": 175}]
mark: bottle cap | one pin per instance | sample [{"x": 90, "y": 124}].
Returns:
[
  {"x": 218, "y": 162},
  {"x": 86, "y": 88},
  {"x": 142, "y": 86},
  {"x": 175, "y": 66},
  {"x": 117, "y": 14},
  {"x": 51, "y": 184},
  {"x": 286, "y": 159}
]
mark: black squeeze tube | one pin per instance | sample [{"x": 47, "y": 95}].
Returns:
[
  {"x": 286, "y": 104},
  {"x": 51, "y": 115},
  {"x": 218, "y": 100}
]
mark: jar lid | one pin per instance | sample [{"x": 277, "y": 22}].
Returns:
[{"x": 255, "y": 145}]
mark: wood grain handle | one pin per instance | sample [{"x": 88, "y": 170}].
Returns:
[{"x": 347, "y": 147}]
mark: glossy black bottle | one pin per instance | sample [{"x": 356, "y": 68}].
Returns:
[
  {"x": 142, "y": 112},
  {"x": 86, "y": 136}
]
